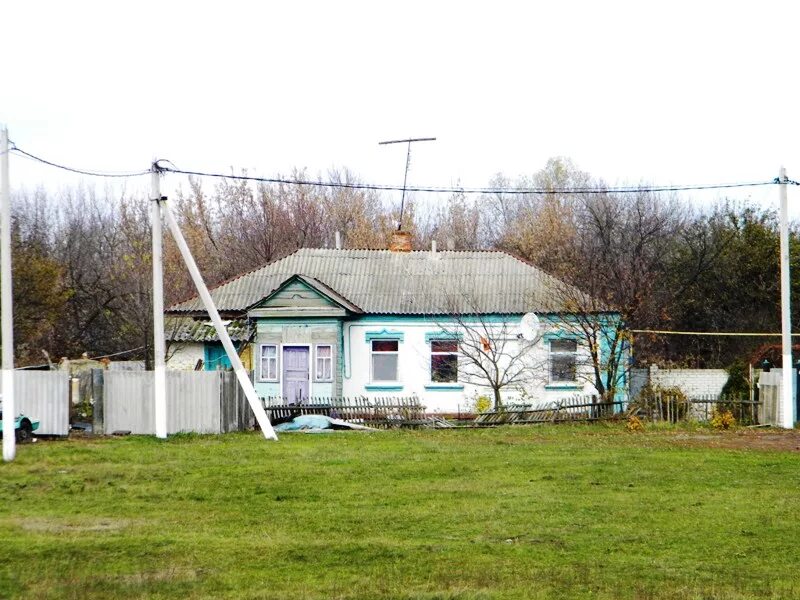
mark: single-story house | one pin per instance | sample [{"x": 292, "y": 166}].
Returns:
[{"x": 377, "y": 323}]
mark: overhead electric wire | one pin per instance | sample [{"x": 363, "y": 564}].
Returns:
[
  {"x": 464, "y": 190},
  {"x": 130, "y": 351},
  {"x": 79, "y": 171},
  {"x": 398, "y": 188}
]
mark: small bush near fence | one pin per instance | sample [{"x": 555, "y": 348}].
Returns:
[{"x": 375, "y": 412}]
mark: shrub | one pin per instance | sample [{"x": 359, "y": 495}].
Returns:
[
  {"x": 634, "y": 424},
  {"x": 736, "y": 390},
  {"x": 722, "y": 419},
  {"x": 738, "y": 384},
  {"x": 482, "y": 404}
]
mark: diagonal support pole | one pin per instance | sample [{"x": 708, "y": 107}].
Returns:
[{"x": 208, "y": 302}]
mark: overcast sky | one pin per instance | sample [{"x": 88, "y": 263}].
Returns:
[{"x": 667, "y": 92}]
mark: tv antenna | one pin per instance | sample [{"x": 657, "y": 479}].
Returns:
[{"x": 408, "y": 164}]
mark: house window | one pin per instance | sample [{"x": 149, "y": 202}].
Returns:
[
  {"x": 563, "y": 358},
  {"x": 384, "y": 360},
  {"x": 269, "y": 362},
  {"x": 444, "y": 360},
  {"x": 324, "y": 368}
]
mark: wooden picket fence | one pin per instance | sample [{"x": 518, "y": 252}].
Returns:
[
  {"x": 374, "y": 412},
  {"x": 577, "y": 408},
  {"x": 674, "y": 408},
  {"x": 661, "y": 407}
]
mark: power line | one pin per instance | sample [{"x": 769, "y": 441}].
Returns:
[
  {"x": 454, "y": 190},
  {"x": 132, "y": 350},
  {"x": 424, "y": 189},
  {"x": 79, "y": 171}
]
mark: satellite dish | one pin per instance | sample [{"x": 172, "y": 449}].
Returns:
[{"x": 529, "y": 327}]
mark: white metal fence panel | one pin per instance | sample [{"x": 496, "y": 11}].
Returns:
[
  {"x": 128, "y": 398},
  {"x": 193, "y": 401},
  {"x": 44, "y": 395}
]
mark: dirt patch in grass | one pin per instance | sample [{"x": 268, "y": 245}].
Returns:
[
  {"x": 743, "y": 439},
  {"x": 62, "y": 526}
]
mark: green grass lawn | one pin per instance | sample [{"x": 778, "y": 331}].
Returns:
[{"x": 536, "y": 512}]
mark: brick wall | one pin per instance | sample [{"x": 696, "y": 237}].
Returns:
[{"x": 693, "y": 382}]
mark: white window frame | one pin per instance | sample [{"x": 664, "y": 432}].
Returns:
[
  {"x": 384, "y": 352},
  {"x": 261, "y": 375},
  {"x": 329, "y": 360},
  {"x": 430, "y": 364},
  {"x": 552, "y": 354}
]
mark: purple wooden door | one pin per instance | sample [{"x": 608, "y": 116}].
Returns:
[{"x": 295, "y": 374}]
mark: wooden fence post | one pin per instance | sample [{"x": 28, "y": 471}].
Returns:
[{"x": 98, "y": 396}]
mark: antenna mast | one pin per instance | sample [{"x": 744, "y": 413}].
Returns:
[{"x": 408, "y": 164}]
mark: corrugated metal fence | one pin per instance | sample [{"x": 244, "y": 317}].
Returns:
[
  {"x": 43, "y": 395},
  {"x": 197, "y": 401}
]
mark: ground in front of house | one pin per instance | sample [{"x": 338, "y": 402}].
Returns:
[{"x": 526, "y": 512}]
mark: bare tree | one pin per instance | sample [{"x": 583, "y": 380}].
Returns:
[
  {"x": 480, "y": 348},
  {"x": 623, "y": 247}
]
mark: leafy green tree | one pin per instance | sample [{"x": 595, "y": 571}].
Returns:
[{"x": 39, "y": 297}]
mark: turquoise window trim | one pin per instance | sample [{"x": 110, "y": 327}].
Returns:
[
  {"x": 385, "y": 334},
  {"x": 571, "y": 387},
  {"x": 443, "y": 335},
  {"x": 384, "y": 387},
  {"x": 446, "y": 387},
  {"x": 559, "y": 335}
]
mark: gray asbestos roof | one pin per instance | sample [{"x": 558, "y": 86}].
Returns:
[
  {"x": 189, "y": 330},
  {"x": 385, "y": 282}
]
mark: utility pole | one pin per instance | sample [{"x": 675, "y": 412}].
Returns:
[
  {"x": 6, "y": 304},
  {"x": 408, "y": 165},
  {"x": 787, "y": 405},
  {"x": 159, "y": 374}
]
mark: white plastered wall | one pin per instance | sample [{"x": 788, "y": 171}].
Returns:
[
  {"x": 414, "y": 369},
  {"x": 184, "y": 356}
]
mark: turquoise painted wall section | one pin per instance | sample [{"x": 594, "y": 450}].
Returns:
[
  {"x": 267, "y": 389},
  {"x": 215, "y": 358},
  {"x": 302, "y": 331}
]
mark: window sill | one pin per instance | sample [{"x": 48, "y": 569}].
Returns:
[
  {"x": 564, "y": 386},
  {"x": 384, "y": 387},
  {"x": 444, "y": 387}
]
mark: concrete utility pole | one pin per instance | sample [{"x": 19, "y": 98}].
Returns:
[
  {"x": 787, "y": 404},
  {"x": 6, "y": 304},
  {"x": 159, "y": 375}
]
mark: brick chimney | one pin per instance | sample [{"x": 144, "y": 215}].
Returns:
[{"x": 401, "y": 241}]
